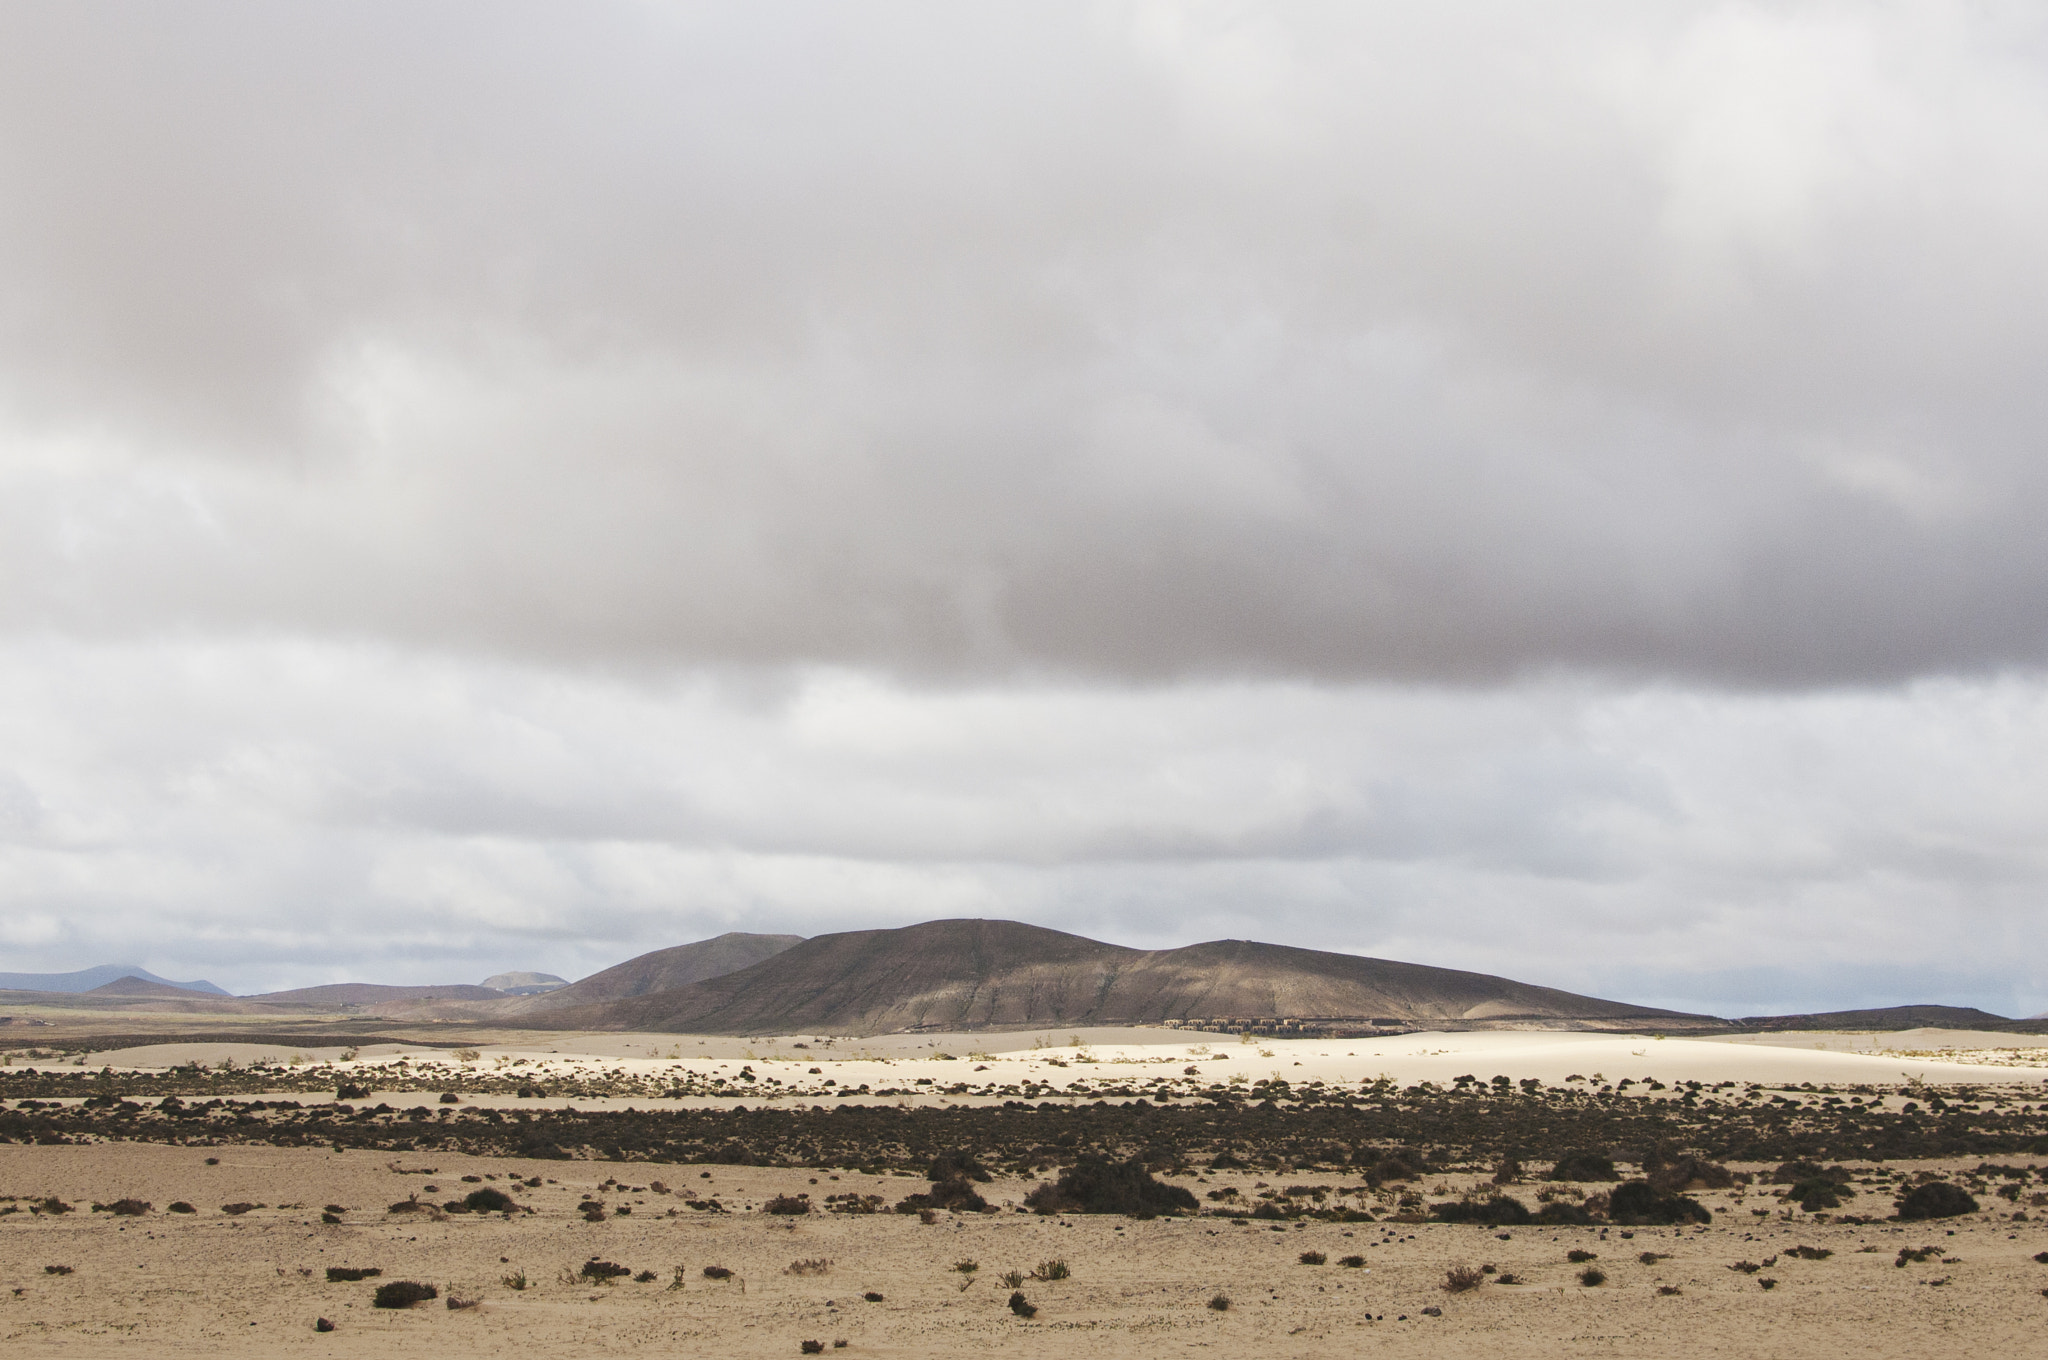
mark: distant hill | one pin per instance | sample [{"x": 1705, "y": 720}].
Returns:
[
  {"x": 524, "y": 984},
  {"x": 1885, "y": 1017},
  {"x": 664, "y": 970},
  {"x": 88, "y": 979},
  {"x": 1005, "y": 974},
  {"x": 374, "y": 994},
  {"x": 135, "y": 986}
]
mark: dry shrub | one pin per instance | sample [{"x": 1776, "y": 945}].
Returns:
[
  {"x": 403, "y": 1294},
  {"x": 238, "y": 1208},
  {"x": 1669, "y": 1290},
  {"x": 717, "y": 1273},
  {"x": 1351, "y": 1262},
  {"x": 1055, "y": 1269},
  {"x": 603, "y": 1272},
  {"x": 872, "y": 1297},
  {"x": 1578, "y": 1256},
  {"x": 181, "y": 1207},
  {"x": 1021, "y": 1306},
  {"x": 811, "y": 1347},
  {"x": 1458, "y": 1279},
  {"x": 1592, "y": 1277},
  {"x": 1221, "y": 1303},
  {"x": 1312, "y": 1258},
  {"x": 791, "y": 1205},
  {"x": 56, "y": 1270},
  {"x": 456, "y": 1305},
  {"x": 350, "y": 1274},
  {"x": 812, "y": 1265}
]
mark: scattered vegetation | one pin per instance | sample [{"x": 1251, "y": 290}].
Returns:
[{"x": 810, "y": 1265}]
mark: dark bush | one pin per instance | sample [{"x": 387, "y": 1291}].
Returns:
[
  {"x": 601, "y": 1272},
  {"x": 717, "y": 1273},
  {"x": 1560, "y": 1213},
  {"x": 792, "y": 1205},
  {"x": 1578, "y": 1256},
  {"x": 1458, "y": 1279},
  {"x": 129, "y": 1208},
  {"x": 488, "y": 1201},
  {"x": 1592, "y": 1277},
  {"x": 1313, "y": 1258},
  {"x": 1638, "y": 1202},
  {"x": 450, "y": 1098},
  {"x": 1494, "y": 1211},
  {"x": 1351, "y": 1262},
  {"x": 1095, "y": 1185},
  {"x": 1584, "y": 1166},
  {"x": 350, "y": 1274},
  {"x": 811, "y": 1347},
  {"x": 645, "y": 1277},
  {"x": 403, "y": 1294},
  {"x": 1691, "y": 1173},
  {"x": 56, "y": 1270},
  {"x": 1020, "y": 1306},
  {"x": 1221, "y": 1303},
  {"x": 1936, "y": 1199},
  {"x": 956, "y": 1166},
  {"x": 238, "y": 1208},
  {"x": 872, "y": 1297},
  {"x": 181, "y": 1207},
  {"x": 347, "y": 1092}
]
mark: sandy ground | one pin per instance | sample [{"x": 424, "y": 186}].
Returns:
[
  {"x": 994, "y": 1067},
  {"x": 253, "y": 1284}
]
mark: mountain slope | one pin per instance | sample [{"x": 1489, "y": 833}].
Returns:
[
  {"x": 662, "y": 970},
  {"x": 1883, "y": 1018},
  {"x": 374, "y": 994},
  {"x": 999, "y": 974}
]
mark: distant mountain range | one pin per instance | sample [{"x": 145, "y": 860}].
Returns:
[
  {"x": 86, "y": 979},
  {"x": 968, "y": 975}
]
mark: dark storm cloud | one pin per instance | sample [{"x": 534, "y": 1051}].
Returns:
[{"x": 1117, "y": 341}]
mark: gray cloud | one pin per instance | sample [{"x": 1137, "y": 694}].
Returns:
[
  {"x": 1128, "y": 341},
  {"x": 1553, "y": 492}
]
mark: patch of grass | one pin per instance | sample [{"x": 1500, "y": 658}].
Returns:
[
  {"x": 1012, "y": 1279},
  {"x": 1055, "y": 1269},
  {"x": 516, "y": 1281},
  {"x": 967, "y": 1267},
  {"x": 1592, "y": 1277},
  {"x": 403, "y": 1294}
]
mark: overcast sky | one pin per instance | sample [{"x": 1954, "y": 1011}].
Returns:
[{"x": 1557, "y": 490}]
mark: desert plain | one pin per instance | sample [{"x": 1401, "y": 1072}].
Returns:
[{"x": 285, "y": 1183}]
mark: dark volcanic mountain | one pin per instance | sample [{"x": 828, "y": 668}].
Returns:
[
  {"x": 664, "y": 970},
  {"x": 1883, "y": 1018},
  {"x": 1004, "y": 974}
]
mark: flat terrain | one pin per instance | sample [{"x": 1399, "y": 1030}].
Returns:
[{"x": 252, "y": 1284}]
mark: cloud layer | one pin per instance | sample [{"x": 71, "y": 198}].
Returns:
[{"x": 1553, "y": 491}]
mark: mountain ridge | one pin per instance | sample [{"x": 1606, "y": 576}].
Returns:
[{"x": 976, "y": 974}]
